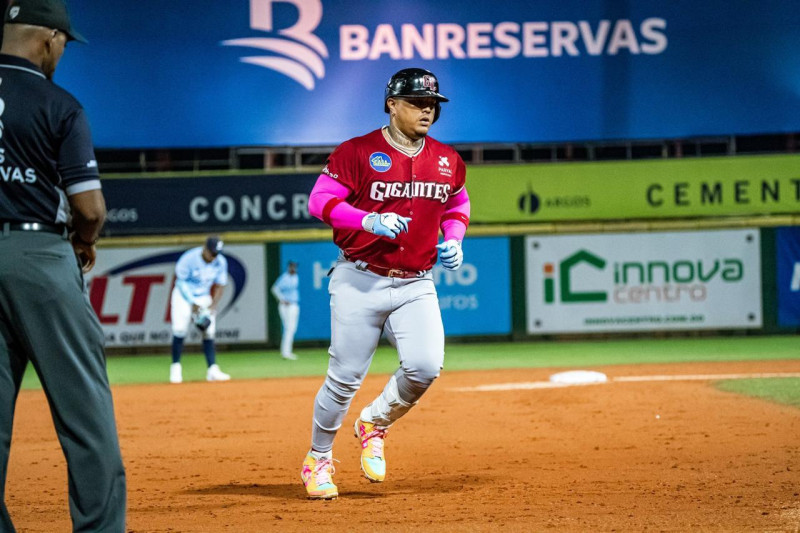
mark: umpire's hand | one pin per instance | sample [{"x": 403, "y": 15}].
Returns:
[
  {"x": 88, "y": 215},
  {"x": 87, "y": 253}
]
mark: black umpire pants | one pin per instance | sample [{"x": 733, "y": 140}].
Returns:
[{"x": 46, "y": 318}]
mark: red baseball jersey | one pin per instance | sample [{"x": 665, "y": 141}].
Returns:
[{"x": 383, "y": 179}]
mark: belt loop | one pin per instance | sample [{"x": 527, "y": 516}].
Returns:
[{"x": 361, "y": 265}]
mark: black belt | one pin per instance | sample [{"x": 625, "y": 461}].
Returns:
[{"x": 58, "y": 229}]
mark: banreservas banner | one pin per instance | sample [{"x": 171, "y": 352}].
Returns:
[
  {"x": 640, "y": 189},
  {"x": 206, "y": 73},
  {"x": 643, "y": 282}
]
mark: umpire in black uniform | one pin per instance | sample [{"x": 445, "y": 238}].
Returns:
[{"x": 51, "y": 213}]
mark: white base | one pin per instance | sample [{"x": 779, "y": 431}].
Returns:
[{"x": 577, "y": 377}]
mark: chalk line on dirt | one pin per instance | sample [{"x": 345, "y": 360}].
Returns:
[{"x": 530, "y": 385}]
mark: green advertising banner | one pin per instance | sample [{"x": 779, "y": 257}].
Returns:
[{"x": 664, "y": 188}]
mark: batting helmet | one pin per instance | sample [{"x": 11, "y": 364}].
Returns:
[{"x": 414, "y": 83}]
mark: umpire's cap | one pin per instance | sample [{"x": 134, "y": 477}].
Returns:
[
  {"x": 414, "y": 83},
  {"x": 214, "y": 245},
  {"x": 48, "y": 13}
]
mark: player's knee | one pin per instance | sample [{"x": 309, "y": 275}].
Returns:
[
  {"x": 343, "y": 374},
  {"x": 179, "y": 332},
  {"x": 340, "y": 390},
  {"x": 423, "y": 372}
]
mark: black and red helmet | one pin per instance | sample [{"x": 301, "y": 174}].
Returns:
[{"x": 411, "y": 83}]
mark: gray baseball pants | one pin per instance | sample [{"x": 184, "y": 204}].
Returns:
[
  {"x": 363, "y": 305},
  {"x": 46, "y": 318}
]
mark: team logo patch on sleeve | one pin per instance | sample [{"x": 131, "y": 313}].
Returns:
[{"x": 380, "y": 161}]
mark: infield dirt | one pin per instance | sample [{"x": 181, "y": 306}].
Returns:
[{"x": 661, "y": 455}]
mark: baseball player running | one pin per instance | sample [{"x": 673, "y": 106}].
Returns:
[
  {"x": 386, "y": 195},
  {"x": 200, "y": 277}
]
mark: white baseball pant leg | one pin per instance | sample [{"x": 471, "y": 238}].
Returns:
[
  {"x": 290, "y": 314},
  {"x": 181, "y": 315}
]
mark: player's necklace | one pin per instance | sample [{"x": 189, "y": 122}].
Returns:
[{"x": 401, "y": 142}]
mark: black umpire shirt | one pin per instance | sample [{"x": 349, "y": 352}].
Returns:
[{"x": 46, "y": 151}]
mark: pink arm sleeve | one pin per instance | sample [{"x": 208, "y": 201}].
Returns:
[
  {"x": 327, "y": 203},
  {"x": 456, "y": 216}
]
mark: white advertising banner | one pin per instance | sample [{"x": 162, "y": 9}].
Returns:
[
  {"x": 130, "y": 289},
  {"x": 644, "y": 281}
]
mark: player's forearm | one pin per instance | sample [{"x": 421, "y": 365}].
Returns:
[
  {"x": 455, "y": 219},
  {"x": 342, "y": 215},
  {"x": 216, "y": 295},
  {"x": 454, "y": 229},
  {"x": 327, "y": 203}
]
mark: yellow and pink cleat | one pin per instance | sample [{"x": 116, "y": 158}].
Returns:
[
  {"x": 317, "y": 476},
  {"x": 373, "y": 463}
]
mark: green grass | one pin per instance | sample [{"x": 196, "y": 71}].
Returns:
[
  {"x": 477, "y": 356},
  {"x": 781, "y": 390}
]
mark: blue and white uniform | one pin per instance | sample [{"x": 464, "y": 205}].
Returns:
[
  {"x": 285, "y": 290},
  {"x": 193, "y": 281}
]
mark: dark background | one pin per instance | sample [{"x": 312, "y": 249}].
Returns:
[{"x": 3, "y": 6}]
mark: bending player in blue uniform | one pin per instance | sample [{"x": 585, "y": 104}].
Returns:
[{"x": 200, "y": 276}]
